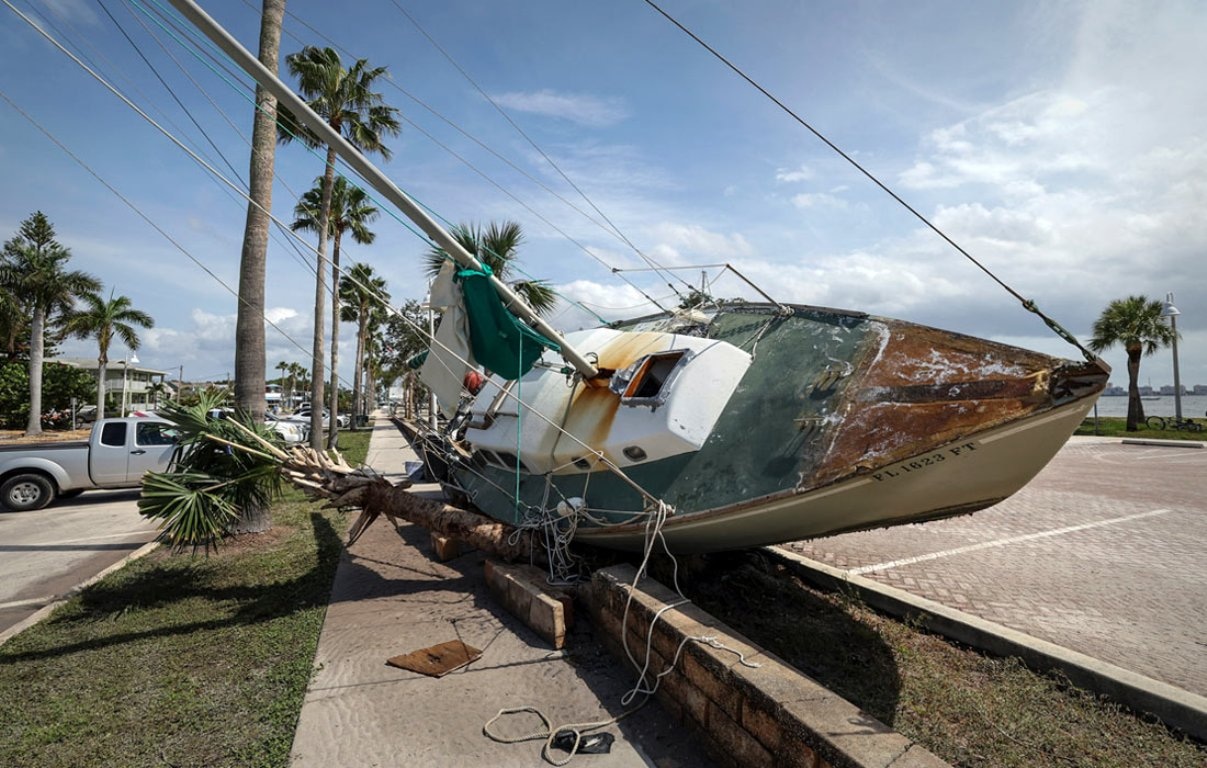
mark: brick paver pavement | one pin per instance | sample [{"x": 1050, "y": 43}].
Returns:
[{"x": 1102, "y": 553}]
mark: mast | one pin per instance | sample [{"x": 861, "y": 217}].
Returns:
[{"x": 378, "y": 180}]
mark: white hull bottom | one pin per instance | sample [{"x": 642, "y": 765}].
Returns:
[{"x": 961, "y": 476}]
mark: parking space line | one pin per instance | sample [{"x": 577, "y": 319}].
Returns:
[
  {"x": 29, "y": 602},
  {"x": 1001, "y": 542}
]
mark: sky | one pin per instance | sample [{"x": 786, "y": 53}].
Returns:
[{"x": 1062, "y": 144}]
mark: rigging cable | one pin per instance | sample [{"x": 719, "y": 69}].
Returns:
[{"x": 1028, "y": 304}]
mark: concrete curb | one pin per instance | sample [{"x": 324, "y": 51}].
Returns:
[
  {"x": 50, "y": 607},
  {"x": 1162, "y": 443},
  {"x": 1177, "y": 708}
]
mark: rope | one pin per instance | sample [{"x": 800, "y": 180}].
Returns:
[{"x": 548, "y": 732}]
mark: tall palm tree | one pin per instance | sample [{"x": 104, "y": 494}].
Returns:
[
  {"x": 1135, "y": 323},
  {"x": 346, "y": 100},
  {"x": 249, "y": 319},
  {"x": 102, "y": 320},
  {"x": 364, "y": 299},
  {"x": 33, "y": 266},
  {"x": 351, "y": 211},
  {"x": 496, "y": 248}
]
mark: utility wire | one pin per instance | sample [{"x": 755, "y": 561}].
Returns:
[{"x": 1029, "y": 305}]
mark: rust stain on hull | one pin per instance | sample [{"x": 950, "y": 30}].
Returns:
[
  {"x": 593, "y": 405},
  {"x": 925, "y": 387}
]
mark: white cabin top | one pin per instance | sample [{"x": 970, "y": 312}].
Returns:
[{"x": 664, "y": 399}]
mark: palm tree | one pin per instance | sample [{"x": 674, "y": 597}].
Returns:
[
  {"x": 496, "y": 248},
  {"x": 346, "y": 100},
  {"x": 351, "y": 211},
  {"x": 33, "y": 266},
  {"x": 103, "y": 320},
  {"x": 1135, "y": 323},
  {"x": 155, "y": 390},
  {"x": 249, "y": 320},
  {"x": 297, "y": 379},
  {"x": 283, "y": 368},
  {"x": 364, "y": 298}
]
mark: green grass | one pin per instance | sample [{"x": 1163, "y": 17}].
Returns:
[
  {"x": 1116, "y": 426},
  {"x": 179, "y": 660},
  {"x": 967, "y": 708}
]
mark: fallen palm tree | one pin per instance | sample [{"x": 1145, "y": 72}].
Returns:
[{"x": 223, "y": 464}]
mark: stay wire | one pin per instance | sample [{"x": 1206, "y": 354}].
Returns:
[
  {"x": 503, "y": 113},
  {"x": 654, "y": 266},
  {"x": 1027, "y": 304}
]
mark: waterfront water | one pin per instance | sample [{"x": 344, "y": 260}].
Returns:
[{"x": 1193, "y": 406}]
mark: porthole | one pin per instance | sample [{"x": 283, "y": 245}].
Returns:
[{"x": 635, "y": 453}]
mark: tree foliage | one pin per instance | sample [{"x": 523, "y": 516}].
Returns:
[
  {"x": 60, "y": 383},
  {"x": 33, "y": 269},
  {"x": 200, "y": 497},
  {"x": 497, "y": 247}
]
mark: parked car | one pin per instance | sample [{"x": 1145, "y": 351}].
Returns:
[
  {"x": 290, "y": 431},
  {"x": 116, "y": 455},
  {"x": 303, "y": 413},
  {"x": 85, "y": 415}
]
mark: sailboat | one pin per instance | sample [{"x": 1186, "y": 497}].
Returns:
[{"x": 742, "y": 425}]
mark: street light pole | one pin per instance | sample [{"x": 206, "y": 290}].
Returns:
[
  {"x": 1170, "y": 311},
  {"x": 129, "y": 358}
]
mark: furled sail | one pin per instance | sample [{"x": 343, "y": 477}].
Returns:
[{"x": 476, "y": 329}]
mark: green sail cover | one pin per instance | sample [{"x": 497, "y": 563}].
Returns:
[{"x": 501, "y": 343}]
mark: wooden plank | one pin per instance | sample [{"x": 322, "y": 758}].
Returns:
[{"x": 438, "y": 660}]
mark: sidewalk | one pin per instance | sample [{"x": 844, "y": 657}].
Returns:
[{"x": 392, "y": 597}]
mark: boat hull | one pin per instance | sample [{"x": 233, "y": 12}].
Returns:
[
  {"x": 839, "y": 422},
  {"x": 959, "y": 477}
]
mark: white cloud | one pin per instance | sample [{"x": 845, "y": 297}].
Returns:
[
  {"x": 817, "y": 200},
  {"x": 801, "y": 173},
  {"x": 577, "y": 108},
  {"x": 692, "y": 242}
]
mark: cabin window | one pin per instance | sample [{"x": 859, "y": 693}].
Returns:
[
  {"x": 151, "y": 433},
  {"x": 114, "y": 433},
  {"x": 647, "y": 381}
]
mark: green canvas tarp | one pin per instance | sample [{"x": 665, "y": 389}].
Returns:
[{"x": 501, "y": 343}]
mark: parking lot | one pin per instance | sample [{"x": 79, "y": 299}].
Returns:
[{"x": 1102, "y": 553}]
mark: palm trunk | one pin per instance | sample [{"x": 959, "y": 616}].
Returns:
[
  {"x": 358, "y": 406},
  {"x": 249, "y": 324},
  {"x": 102, "y": 364},
  {"x": 37, "y": 328},
  {"x": 318, "y": 356},
  {"x": 333, "y": 435},
  {"x": 1135, "y": 408}
]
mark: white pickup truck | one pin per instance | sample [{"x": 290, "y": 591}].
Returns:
[{"x": 116, "y": 455}]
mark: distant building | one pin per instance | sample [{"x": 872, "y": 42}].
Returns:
[
  {"x": 138, "y": 387},
  {"x": 1199, "y": 389},
  {"x": 1168, "y": 389},
  {"x": 1146, "y": 390},
  {"x": 1113, "y": 390}
]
